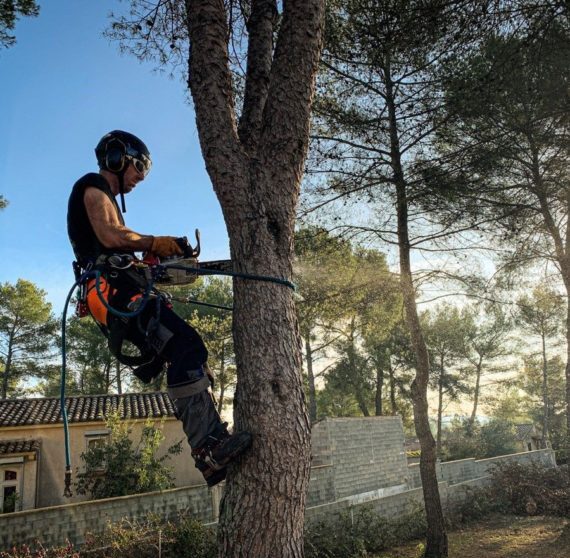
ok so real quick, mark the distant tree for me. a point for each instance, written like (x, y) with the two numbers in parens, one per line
(510, 122)
(486, 346)
(118, 467)
(10, 12)
(27, 333)
(542, 315)
(497, 437)
(466, 439)
(532, 382)
(324, 269)
(3, 202)
(509, 403)
(447, 331)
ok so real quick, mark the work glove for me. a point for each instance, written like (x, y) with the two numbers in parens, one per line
(165, 246)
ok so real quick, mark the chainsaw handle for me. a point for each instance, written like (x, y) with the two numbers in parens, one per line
(186, 247)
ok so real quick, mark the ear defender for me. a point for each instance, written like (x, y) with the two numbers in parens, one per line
(115, 155)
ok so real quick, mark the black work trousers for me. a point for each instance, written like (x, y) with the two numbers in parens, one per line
(187, 382)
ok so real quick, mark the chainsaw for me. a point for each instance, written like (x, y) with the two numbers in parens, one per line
(181, 272)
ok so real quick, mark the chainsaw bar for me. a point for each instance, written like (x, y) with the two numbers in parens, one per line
(217, 265)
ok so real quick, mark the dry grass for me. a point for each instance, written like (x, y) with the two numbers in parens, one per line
(503, 537)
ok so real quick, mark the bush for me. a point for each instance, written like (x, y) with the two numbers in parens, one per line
(184, 537)
(135, 469)
(531, 489)
(352, 535)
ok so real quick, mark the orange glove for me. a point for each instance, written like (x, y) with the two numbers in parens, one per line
(165, 246)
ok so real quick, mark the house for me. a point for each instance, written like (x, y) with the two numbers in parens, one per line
(32, 445)
(528, 437)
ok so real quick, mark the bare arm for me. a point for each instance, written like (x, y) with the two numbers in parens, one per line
(109, 230)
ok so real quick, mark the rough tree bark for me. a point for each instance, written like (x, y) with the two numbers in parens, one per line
(256, 169)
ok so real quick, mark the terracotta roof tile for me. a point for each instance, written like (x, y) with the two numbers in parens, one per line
(84, 408)
(18, 446)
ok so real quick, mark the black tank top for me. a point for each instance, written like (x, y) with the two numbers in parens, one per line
(84, 241)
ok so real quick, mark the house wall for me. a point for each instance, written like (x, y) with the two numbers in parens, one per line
(52, 462)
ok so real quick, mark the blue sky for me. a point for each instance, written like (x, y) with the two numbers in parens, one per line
(63, 87)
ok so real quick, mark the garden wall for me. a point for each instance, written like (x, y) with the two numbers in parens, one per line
(356, 462)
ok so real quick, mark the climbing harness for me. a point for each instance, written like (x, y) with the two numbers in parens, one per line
(91, 284)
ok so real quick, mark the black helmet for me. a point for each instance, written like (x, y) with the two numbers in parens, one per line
(117, 149)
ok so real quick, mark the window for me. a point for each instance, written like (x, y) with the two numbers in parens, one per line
(9, 489)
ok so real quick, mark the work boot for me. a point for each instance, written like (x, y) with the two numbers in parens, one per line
(219, 449)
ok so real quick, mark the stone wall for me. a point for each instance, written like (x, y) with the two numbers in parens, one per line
(365, 453)
(357, 462)
(55, 525)
(455, 472)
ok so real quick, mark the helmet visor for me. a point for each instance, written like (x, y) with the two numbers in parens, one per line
(140, 161)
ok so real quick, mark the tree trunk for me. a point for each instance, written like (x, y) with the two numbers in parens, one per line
(7, 370)
(256, 171)
(478, 369)
(379, 385)
(393, 404)
(436, 536)
(568, 379)
(118, 377)
(311, 379)
(439, 408)
(544, 393)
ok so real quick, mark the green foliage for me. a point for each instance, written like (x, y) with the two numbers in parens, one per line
(3, 202)
(356, 534)
(135, 469)
(10, 12)
(183, 537)
(466, 439)
(27, 334)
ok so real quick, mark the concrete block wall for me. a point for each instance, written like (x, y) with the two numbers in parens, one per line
(365, 453)
(455, 472)
(55, 525)
(365, 466)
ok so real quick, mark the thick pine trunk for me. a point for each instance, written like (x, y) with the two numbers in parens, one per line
(436, 536)
(256, 170)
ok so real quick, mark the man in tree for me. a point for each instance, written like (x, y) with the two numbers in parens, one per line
(102, 242)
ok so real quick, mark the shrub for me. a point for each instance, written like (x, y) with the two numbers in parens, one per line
(135, 469)
(184, 537)
(356, 534)
(531, 488)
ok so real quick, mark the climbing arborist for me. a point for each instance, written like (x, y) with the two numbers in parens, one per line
(101, 242)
